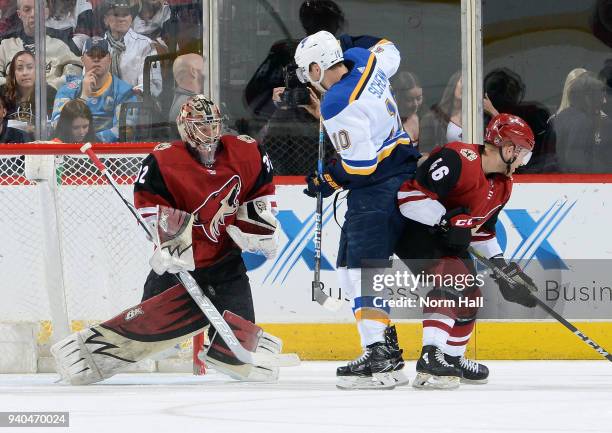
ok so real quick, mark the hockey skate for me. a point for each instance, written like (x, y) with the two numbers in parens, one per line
(434, 372)
(379, 367)
(472, 371)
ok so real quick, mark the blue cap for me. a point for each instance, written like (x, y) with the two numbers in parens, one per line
(96, 42)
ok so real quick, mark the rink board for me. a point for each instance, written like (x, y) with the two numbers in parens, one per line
(558, 216)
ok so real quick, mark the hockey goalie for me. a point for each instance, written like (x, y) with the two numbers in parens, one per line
(206, 198)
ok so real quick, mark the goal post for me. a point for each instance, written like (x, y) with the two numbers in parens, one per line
(70, 253)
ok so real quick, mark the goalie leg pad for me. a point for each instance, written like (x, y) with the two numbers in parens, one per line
(99, 352)
(252, 338)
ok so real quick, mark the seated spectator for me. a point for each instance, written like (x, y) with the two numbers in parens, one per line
(60, 61)
(128, 48)
(9, 21)
(188, 71)
(7, 133)
(75, 123)
(583, 131)
(185, 26)
(71, 20)
(102, 91)
(18, 91)
(152, 21)
(506, 90)
(409, 97)
(569, 81)
(442, 124)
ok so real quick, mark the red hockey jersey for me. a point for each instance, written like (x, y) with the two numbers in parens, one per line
(453, 177)
(171, 176)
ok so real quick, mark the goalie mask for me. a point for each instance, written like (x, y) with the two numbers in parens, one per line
(199, 124)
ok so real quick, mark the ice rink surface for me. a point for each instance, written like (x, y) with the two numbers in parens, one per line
(521, 396)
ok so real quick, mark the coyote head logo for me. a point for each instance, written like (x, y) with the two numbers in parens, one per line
(218, 205)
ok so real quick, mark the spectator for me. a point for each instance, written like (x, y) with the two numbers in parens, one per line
(315, 15)
(409, 97)
(71, 20)
(75, 123)
(60, 61)
(7, 133)
(506, 90)
(443, 123)
(188, 71)
(128, 48)
(152, 21)
(583, 130)
(102, 91)
(18, 91)
(9, 21)
(185, 26)
(569, 81)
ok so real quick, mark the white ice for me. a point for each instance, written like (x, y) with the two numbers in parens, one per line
(521, 396)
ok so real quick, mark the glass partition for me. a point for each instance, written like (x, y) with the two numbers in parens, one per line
(257, 40)
(120, 67)
(550, 63)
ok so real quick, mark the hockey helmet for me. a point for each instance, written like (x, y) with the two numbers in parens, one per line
(199, 124)
(506, 129)
(321, 48)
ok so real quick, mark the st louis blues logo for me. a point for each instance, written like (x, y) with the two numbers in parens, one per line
(217, 207)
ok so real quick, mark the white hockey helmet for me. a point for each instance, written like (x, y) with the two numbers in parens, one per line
(321, 48)
(199, 124)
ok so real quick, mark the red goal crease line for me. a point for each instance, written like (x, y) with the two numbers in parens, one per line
(53, 148)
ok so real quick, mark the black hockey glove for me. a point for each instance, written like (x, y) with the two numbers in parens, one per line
(455, 229)
(518, 291)
(325, 184)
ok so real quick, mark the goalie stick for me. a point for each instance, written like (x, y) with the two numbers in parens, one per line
(587, 340)
(194, 290)
(318, 293)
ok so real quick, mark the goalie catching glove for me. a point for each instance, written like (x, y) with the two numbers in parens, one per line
(255, 229)
(174, 252)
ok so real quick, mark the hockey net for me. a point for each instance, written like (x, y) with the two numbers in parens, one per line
(70, 252)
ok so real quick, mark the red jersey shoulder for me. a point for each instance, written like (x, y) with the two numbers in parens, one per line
(171, 152)
(242, 149)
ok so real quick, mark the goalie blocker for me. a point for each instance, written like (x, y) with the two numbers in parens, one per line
(99, 352)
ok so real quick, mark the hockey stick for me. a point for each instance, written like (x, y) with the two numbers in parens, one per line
(318, 294)
(192, 287)
(596, 347)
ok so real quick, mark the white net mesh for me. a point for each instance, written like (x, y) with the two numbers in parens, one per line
(94, 245)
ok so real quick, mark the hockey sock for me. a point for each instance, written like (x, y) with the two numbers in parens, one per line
(459, 338)
(436, 329)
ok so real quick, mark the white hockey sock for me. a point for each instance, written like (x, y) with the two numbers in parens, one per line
(371, 331)
(436, 329)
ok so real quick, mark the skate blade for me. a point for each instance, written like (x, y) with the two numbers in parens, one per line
(376, 381)
(474, 382)
(429, 381)
(400, 378)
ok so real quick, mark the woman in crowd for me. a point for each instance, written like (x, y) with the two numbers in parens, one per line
(71, 20)
(75, 124)
(8, 134)
(18, 91)
(409, 97)
(582, 130)
(569, 81)
(152, 21)
(443, 123)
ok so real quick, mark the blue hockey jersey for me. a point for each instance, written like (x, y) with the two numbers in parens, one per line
(105, 104)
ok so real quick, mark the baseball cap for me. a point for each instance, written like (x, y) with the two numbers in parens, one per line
(117, 4)
(96, 42)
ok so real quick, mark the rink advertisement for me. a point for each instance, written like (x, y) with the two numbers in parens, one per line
(552, 229)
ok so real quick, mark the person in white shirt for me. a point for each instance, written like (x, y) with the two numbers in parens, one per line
(128, 48)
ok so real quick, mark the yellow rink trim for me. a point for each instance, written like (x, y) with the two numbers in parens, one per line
(491, 340)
